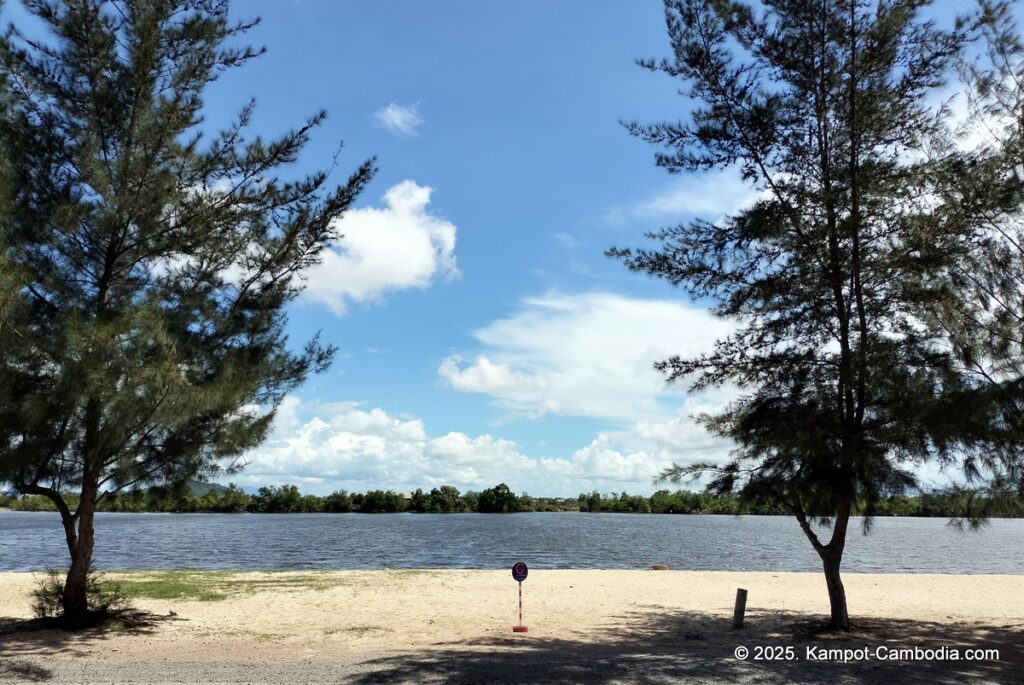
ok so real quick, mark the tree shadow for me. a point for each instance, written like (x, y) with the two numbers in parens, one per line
(22, 670)
(27, 643)
(651, 647)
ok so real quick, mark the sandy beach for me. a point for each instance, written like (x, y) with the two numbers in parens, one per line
(584, 626)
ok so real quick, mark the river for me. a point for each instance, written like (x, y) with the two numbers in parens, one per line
(33, 541)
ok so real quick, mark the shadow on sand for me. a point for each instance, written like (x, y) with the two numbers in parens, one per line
(649, 645)
(26, 644)
(694, 647)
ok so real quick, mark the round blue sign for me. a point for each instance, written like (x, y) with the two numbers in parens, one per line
(519, 571)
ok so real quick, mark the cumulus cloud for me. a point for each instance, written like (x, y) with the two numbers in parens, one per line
(708, 196)
(395, 247)
(589, 354)
(483, 375)
(344, 446)
(399, 119)
(644, 449)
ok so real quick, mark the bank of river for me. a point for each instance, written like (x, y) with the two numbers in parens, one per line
(585, 626)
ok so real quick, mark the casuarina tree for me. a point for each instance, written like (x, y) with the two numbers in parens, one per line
(982, 200)
(834, 112)
(152, 255)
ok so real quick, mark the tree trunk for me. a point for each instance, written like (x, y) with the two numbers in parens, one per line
(75, 600)
(831, 559)
(840, 616)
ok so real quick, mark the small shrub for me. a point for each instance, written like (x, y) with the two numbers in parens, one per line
(104, 599)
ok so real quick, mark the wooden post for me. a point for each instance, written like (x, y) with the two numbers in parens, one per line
(741, 607)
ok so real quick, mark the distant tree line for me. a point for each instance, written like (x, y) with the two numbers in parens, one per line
(287, 499)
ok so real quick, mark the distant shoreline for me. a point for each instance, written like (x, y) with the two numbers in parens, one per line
(488, 513)
(212, 498)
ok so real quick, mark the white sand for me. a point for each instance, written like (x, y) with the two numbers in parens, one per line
(357, 613)
(420, 609)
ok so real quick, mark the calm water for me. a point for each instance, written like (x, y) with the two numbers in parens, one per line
(30, 541)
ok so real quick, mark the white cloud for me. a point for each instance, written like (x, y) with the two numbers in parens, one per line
(708, 196)
(342, 446)
(323, 448)
(399, 246)
(566, 240)
(639, 453)
(584, 355)
(485, 376)
(402, 120)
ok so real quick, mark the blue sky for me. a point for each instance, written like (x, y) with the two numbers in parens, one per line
(483, 335)
(520, 353)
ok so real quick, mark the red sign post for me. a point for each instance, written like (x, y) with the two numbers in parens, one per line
(519, 571)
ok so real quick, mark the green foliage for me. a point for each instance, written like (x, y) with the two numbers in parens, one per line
(230, 501)
(497, 500)
(955, 503)
(338, 502)
(591, 502)
(381, 502)
(155, 293)
(472, 500)
(419, 502)
(526, 503)
(553, 504)
(284, 499)
(839, 274)
(105, 599)
(824, 273)
(146, 259)
(616, 503)
(34, 503)
(446, 499)
(982, 199)
(684, 502)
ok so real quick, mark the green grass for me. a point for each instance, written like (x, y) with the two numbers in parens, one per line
(214, 586)
(245, 634)
(358, 631)
(170, 585)
(410, 572)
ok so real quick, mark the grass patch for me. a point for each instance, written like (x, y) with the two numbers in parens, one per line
(215, 586)
(358, 631)
(266, 637)
(250, 635)
(412, 572)
(193, 586)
